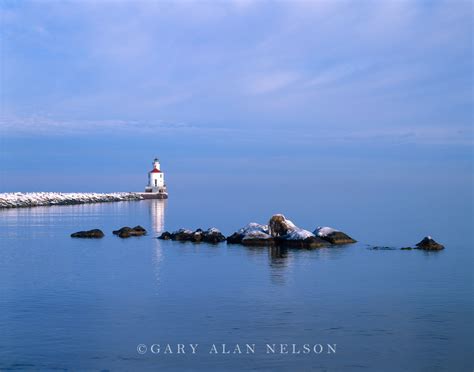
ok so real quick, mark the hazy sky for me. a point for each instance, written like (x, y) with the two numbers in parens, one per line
(233, 87)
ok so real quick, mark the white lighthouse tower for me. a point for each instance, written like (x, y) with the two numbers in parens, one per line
(156, 182)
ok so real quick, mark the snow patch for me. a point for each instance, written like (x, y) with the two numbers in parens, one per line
(255, 234)
(253, 227)
(183, 231)
(298, 234)
(324, 231)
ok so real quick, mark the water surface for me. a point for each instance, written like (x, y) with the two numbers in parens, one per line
(86, 304)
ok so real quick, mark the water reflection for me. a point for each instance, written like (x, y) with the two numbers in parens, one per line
(157, 215)
(279, 260)
(157, 222)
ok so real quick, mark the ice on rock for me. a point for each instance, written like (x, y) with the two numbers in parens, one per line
(324, 231)
(298, 234)
(253, 227)
(256, 234)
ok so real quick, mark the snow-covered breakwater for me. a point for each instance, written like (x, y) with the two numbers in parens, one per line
(34, 199)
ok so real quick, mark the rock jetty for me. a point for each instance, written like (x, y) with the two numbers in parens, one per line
(36, 199)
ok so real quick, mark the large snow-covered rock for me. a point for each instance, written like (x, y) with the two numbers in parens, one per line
(34, 199)
(333, 236)
(279, 231)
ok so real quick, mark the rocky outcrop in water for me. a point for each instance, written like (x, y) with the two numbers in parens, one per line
(127, 232)
(333, 236)
(429, 244)
(93, 234)
(280, 231)
(211, 235)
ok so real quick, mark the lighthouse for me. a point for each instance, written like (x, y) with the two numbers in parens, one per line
(156, 187)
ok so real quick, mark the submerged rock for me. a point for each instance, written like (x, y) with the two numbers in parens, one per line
(127, 232)
(95, 234)
(382, 248)
(211, 235)
(333, 236)
(429, 244)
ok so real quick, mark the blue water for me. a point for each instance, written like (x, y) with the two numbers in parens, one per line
(86, 304)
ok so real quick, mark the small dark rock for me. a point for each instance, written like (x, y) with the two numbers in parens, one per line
(165, 236)
(127, 232)
(429, 244)
(235, 238)
(95, 234)
(139, 228)
(384, 248)
(183, 235)
(211, 235)
(406, 248)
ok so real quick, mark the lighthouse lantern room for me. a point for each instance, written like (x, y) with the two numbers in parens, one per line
(156, 179)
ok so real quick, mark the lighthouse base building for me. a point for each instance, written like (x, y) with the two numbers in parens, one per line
(156, 188)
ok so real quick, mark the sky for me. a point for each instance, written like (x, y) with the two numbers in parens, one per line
(303, 96)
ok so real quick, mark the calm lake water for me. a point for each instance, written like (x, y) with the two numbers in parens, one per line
(86, 304)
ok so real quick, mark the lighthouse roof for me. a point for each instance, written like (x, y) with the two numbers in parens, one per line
(155, 171)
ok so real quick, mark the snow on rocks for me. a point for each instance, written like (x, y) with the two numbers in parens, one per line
(251, 234)
(280, 231)
(333, 236)
(34, 199)
(322, 232)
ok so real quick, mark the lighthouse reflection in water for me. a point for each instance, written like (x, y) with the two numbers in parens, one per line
(157, 214)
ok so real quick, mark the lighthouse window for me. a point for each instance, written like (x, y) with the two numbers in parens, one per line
(161, 175)
(156, 183)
